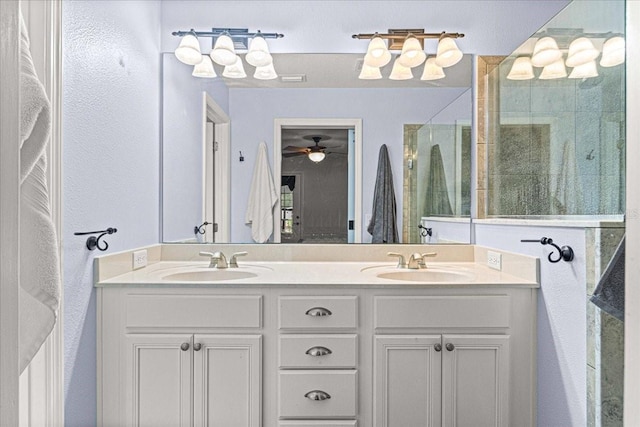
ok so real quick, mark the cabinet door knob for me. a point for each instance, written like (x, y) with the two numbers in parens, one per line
(197, 346)
(184, 346)
(450, 347)
(318, 312)
(317, 395)
(318, 351)
(437, 347)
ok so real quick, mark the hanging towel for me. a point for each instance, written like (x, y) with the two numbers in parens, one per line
(383, 225)
(262, 198)
(609, 293)
(39, 258)
(567, 195)
(437, 202)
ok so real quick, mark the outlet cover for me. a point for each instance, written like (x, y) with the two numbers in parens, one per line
(139, 259)
(494, 260)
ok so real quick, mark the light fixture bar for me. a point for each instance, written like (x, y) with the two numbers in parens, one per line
(233, 32)
(402, 36)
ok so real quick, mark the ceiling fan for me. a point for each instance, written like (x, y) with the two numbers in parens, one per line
(315, 152)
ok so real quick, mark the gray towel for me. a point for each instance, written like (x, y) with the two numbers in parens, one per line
(383, 225)
(609, 294)
(437, 202)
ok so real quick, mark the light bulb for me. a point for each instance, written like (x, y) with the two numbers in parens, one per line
(432, 71)
(204, 69)
(412, 53)
(369, 73)
(235, 71)
(584, 71)
(377, 53)
(521, 69)
(188, 52)
(581, 51)
(448, 52)
(555, 70)
(266, 72)
(223, 52)
(258, 54)
(613, 52)
(400, 72)
(316, 156)
(545, 52)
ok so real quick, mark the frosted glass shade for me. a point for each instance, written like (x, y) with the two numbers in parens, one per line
(258, 54)
(584, 71)
(316, 156)
(545, 52)
(613, 52)
(448, 53)
(412, 53)
(235, 71)
(400, 72)
(581, 51)
(223, 52)
(432, 71)
(377, 53)
(522, 69)
(188, 52)
(266, 72)
(204, 69)
(369, 73)
(555, 70)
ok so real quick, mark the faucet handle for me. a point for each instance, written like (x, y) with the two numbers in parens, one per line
(233, 262)
(430, 254)
(203, 253)
(401, 262)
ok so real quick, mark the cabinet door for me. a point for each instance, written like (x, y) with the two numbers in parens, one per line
(407, 380)
(158, 390)
(475, 380)
(227, 380)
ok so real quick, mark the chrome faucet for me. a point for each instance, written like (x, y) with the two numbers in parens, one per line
(218, 260)
(416, 260)
(401, 261)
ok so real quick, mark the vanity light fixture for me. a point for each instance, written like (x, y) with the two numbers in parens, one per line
(225, 42)
(522, 69)
(613, 52)
(411, 43)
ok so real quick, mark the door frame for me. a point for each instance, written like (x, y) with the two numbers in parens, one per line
(301, 123)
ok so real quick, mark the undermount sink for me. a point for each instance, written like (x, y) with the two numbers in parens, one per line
(427, 275)
(209, 275)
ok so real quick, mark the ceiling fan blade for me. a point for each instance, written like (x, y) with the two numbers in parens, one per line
(300, 153)
(294, 148)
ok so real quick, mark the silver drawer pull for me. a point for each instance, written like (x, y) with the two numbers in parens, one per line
(197, 346)
(318, 351)
(184, 346)
(317, 395)
(318, 312)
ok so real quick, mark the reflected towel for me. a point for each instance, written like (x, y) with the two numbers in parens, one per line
(609, 294)
(383, 226)
(39, 258)
(262, 198)
(567, 195)
(437, 202)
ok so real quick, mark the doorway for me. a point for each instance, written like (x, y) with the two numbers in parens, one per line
(323, 157)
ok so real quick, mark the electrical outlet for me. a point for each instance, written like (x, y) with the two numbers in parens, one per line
(494, 260)
(139, 259)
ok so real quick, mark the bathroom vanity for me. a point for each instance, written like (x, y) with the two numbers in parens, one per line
(310, 341)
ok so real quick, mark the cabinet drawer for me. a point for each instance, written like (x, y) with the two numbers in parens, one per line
(318, 351)
(318, 312)
(486, 311)
(339, 386)
(193, 311)
(349, 423)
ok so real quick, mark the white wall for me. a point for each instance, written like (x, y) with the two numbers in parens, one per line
(562, 335)
(383, 113)
(111, 83)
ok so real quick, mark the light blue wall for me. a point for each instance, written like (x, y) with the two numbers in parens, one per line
(111, 104)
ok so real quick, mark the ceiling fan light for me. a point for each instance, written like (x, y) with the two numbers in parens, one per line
(613, 52)
(555, 70)
(545, 52)
(412, 53)
(585, 71)
(448, 53)
(377, 53)
(432, 71)
(223, 52)
(316, 156)
(235, 71)
(581, 51)
(400, 72)
(204, 69)
(266, 72)
(188, 52)
(369, 73)
(521, 69)
(258, 54)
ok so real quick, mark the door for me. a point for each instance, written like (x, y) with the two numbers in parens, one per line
(407, 380)
(227, 380)
(209, 184)
(159, 369)
(290, 212)
(475, 380)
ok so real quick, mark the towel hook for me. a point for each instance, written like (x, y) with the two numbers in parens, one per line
(565, 253)
(93, 242)
(425, 231)
(200, 229)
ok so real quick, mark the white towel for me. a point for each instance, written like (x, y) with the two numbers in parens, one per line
(567, 194)
(39, 259)
(262, 198)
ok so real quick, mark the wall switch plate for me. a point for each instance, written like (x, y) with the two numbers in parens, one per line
(494, 260)
(139, 259)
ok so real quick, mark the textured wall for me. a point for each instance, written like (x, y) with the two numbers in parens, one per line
(111, 83)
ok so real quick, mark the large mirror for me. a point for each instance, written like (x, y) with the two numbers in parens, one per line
(212, 127)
